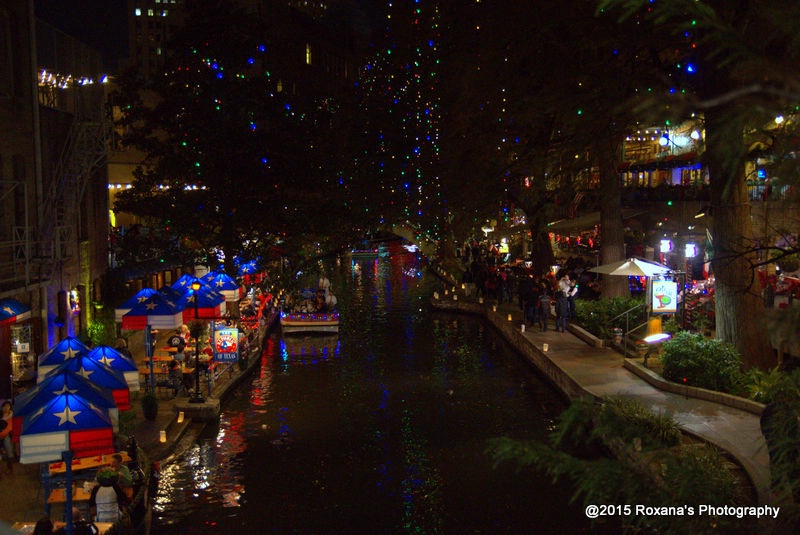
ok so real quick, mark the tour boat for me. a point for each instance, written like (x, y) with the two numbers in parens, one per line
(309, 322)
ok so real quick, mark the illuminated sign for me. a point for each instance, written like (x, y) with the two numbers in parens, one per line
(665, 297)
(226, 345)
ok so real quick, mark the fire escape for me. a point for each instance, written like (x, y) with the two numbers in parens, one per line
(83, 153)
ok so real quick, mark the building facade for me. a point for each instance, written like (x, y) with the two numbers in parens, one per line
(53, 189)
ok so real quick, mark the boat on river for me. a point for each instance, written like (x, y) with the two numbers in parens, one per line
(313, 312)
(309, 322)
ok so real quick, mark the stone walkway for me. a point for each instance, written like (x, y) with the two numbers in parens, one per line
(578, 369)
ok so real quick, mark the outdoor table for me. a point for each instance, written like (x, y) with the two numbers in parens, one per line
(80, 493)
(84, 463)
(186, 370)
(160, 358)
(161, 375)
(28, 527)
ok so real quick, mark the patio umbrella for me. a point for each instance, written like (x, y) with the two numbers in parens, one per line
(140, 297)
(66, 349)
(225, 285)
(101, 375)
(12, 311)
(66, 422)
(56, 384)
(183, 283)
(208, 277)
(250, 271)
(210, 304)
(171, 293)
(158, 312)
(631, 267)
(117, 361)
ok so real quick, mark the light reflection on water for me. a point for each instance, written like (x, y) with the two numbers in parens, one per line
(382, 430)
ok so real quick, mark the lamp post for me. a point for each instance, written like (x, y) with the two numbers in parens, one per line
(197, 396)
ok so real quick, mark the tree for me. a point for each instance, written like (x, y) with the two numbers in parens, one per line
(742, 63)
(231, 159)
(537, 115)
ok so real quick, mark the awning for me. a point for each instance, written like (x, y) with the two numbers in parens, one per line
(12, 311)
(586, 222)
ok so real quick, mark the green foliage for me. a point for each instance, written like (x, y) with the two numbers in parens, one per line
(671, 325)
(692, 359)
(761, 385)
(197, 328)
(596, 316)
(127, 423)
(634, 420)
(586, 422)
(101, 331)
(656, 469)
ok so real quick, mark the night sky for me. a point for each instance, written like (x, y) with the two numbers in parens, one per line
(100, 24)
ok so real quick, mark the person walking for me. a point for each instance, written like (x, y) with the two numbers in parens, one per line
(544, 309)
(562, 312)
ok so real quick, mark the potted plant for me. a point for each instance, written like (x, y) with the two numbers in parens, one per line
(106, 477)
(150, 406)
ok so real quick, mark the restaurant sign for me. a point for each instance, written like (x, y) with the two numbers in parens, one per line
(226, 345)
(665, 297)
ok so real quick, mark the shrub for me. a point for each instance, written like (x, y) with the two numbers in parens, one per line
(596, 316)
(671, 325)
(759, 384)
(693, 359)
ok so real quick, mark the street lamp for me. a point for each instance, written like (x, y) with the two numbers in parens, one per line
(197, 396)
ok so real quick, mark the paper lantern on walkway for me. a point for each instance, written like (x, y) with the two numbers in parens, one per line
(102, 376)
(66, 349)
(117, 361)
(67, 422)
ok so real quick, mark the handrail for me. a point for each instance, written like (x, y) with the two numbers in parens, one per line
(627, 315)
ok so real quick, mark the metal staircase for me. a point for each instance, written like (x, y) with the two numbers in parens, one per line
(84, 150)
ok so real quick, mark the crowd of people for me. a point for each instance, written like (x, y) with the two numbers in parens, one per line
(539, 296)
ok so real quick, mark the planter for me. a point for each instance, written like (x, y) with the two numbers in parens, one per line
(616, 335)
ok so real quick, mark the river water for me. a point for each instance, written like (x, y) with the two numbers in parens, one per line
(381, 429)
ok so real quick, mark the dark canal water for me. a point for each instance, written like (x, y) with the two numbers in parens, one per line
(382, 429)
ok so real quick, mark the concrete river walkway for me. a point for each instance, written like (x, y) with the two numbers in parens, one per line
(577, 366)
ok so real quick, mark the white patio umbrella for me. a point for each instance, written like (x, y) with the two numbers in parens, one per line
(631, 266)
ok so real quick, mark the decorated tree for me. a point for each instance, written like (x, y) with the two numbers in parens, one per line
(231, 158)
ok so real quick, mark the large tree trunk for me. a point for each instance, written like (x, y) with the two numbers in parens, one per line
(738, 303)
(612, 232)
